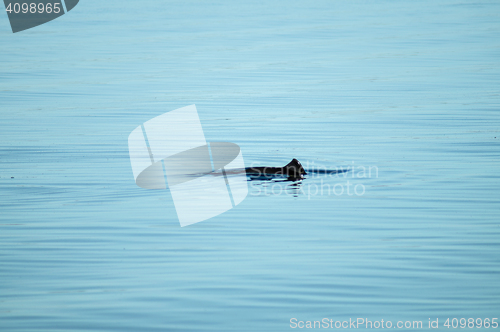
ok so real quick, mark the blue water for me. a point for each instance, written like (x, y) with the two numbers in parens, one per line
(408, 88)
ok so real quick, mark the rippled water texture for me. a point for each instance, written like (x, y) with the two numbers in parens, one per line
(406, 89)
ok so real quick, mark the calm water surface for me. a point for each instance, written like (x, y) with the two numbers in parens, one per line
(410, 89)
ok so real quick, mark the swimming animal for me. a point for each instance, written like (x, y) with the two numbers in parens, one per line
(293, 170)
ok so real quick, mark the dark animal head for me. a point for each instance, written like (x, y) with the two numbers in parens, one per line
(295, 169)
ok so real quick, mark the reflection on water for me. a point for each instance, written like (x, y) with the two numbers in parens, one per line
(266, 185)
(279, 184)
